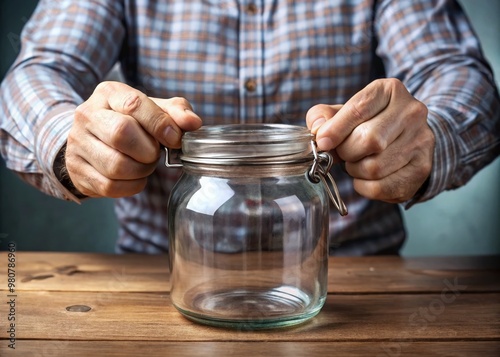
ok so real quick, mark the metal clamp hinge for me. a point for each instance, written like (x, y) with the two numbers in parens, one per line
(320, 171)
(167, 160)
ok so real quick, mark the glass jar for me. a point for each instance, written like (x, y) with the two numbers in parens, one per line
(248, 223)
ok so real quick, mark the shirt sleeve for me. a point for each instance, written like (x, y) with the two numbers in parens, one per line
(431, 46)
(67, 47)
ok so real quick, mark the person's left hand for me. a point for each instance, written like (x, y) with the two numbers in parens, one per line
(382, 135)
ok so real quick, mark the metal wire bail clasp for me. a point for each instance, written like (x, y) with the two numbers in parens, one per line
(167, 160)
(320, 170)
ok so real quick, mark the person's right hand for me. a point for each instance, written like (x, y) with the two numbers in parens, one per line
(114, 143)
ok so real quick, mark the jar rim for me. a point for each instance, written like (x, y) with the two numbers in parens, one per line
(247, 141)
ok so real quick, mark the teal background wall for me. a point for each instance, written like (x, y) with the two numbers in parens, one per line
(462, 222)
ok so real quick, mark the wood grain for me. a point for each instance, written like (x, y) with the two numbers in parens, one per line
(393, 274)
(140, 273)
(377, 306)
(344, 318)
(58, 348)
(49, 271)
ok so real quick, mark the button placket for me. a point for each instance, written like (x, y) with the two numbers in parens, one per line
(251, 62)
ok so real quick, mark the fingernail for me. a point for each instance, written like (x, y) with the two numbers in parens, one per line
(317, 123)
(171, 136)
(325, 144)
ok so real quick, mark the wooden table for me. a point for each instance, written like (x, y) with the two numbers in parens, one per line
(376, 306)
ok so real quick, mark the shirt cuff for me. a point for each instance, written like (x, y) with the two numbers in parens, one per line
(445, 159)
(51, 136)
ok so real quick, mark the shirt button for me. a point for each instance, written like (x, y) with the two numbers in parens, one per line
(251, 85)
(252, 9)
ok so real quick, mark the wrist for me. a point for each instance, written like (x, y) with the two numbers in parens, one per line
(62, 174)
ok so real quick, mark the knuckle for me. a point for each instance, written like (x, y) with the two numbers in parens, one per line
(95, 183)
(372, 168)
(369, 189)
(107, 187)
(117, 166)
(72, 168)
(74, 138)
(393, 83)
(154, 155)
(377, 144)
(83, 111)
(429, 158)
(377, 192)
(120, 130)
(372, 143)
(425, 171)
(105, 87)
(360, 109)
(392, 86)
(113, 189)
(418, 109)
(423, 167)
(423, 154)
(132, 101)
(180, 101)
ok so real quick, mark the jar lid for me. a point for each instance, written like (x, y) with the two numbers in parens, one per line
(259, 144)
(251, 142)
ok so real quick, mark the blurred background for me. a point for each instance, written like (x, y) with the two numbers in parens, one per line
(461, 222)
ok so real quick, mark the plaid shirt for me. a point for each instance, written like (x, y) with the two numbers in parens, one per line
(246, 62)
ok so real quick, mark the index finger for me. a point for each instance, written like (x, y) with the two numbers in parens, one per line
(362, 107)
(181, 111)
(129, 101)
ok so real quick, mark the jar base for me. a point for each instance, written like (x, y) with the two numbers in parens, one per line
(252, 308)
